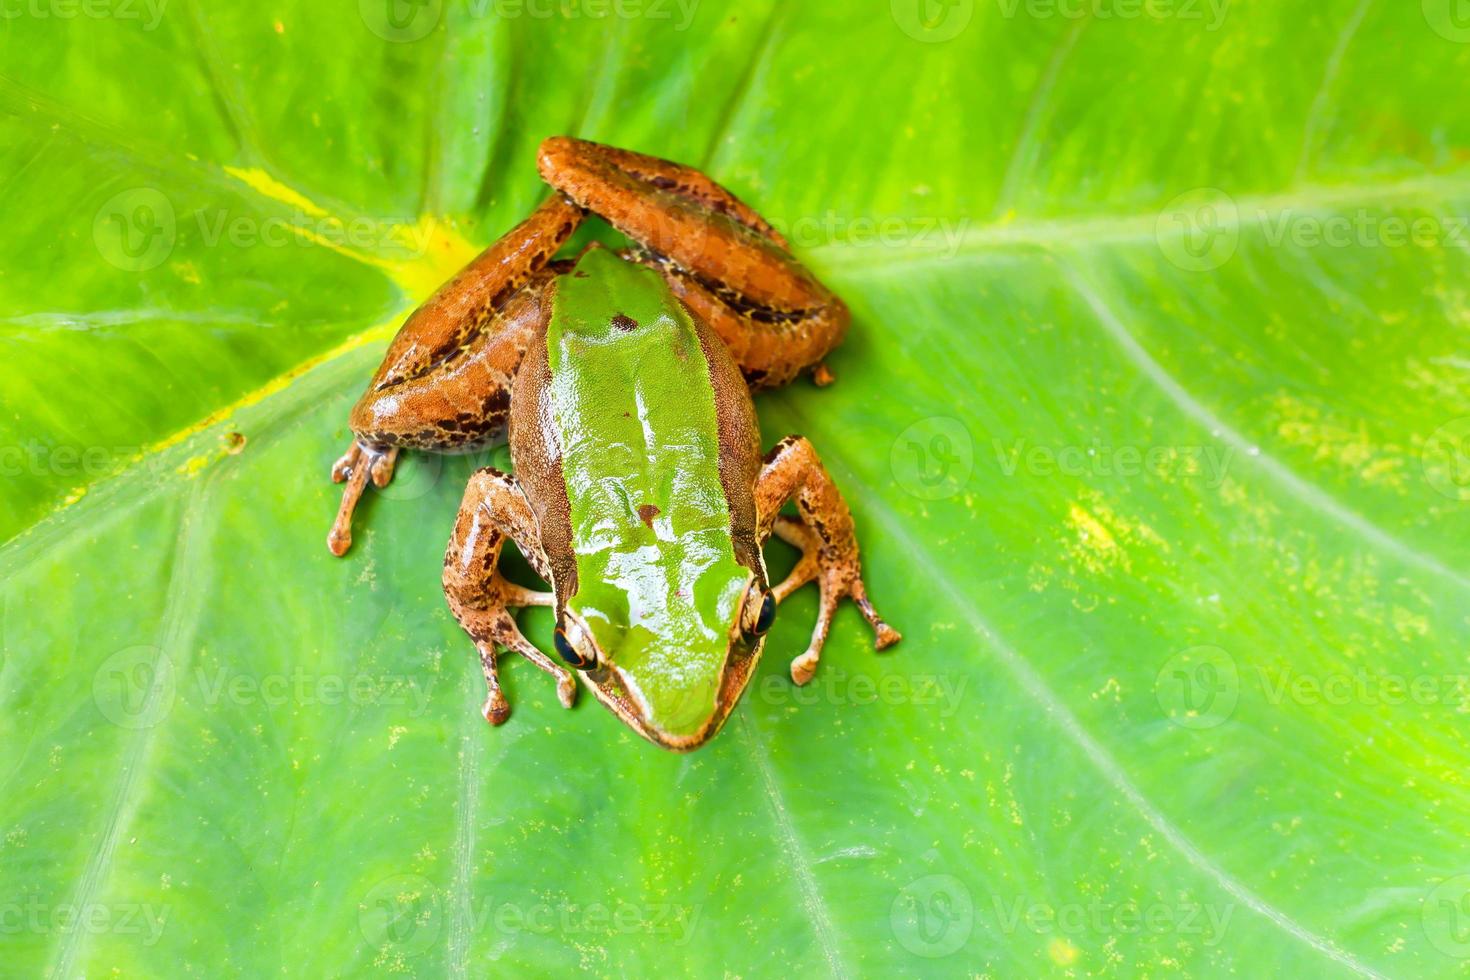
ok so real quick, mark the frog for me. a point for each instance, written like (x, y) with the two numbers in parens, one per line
(622, 380)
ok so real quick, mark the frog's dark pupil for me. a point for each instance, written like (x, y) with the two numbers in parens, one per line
(767, 615)
(567, 651)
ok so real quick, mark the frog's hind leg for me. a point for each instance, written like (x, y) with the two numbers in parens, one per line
(494, 508)
(824, 533)
(724, 261)
(444, 385)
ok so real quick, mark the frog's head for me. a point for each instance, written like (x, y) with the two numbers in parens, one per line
(669, 637)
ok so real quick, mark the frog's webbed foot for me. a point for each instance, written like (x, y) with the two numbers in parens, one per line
(824, 533)
(360, 463)
(494, 508)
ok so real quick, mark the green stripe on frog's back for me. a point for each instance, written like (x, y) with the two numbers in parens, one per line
(658, 582)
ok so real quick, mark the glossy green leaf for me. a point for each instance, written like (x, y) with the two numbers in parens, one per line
(1153, 417)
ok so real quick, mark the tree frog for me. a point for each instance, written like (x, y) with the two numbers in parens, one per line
(623, 381)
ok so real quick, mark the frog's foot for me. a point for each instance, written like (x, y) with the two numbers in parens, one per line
(824, 533)
(493, 509)
(361, 462)
(838, 576)
(495, 628)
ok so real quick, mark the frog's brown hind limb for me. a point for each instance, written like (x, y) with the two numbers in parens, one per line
(722, 259)
(444, 384)
(493, 509)
(824, 532)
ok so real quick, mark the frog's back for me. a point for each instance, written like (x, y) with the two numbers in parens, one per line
(643, 445)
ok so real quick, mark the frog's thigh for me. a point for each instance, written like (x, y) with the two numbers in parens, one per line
(441, 384)
(826, 537)
(461, 401)
(719, 256)
(493, 509)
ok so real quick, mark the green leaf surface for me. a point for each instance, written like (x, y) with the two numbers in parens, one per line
(1153, 418)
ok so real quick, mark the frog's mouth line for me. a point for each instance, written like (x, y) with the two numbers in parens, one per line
(608, 687)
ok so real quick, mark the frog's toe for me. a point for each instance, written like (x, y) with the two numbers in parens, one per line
(566, 690)
(884, 636)
(382, 467)
(497, 708)
(804, 666)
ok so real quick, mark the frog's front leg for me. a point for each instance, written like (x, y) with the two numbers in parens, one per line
(493, 509)
(444, 385)
(825, 535)
(724, 261)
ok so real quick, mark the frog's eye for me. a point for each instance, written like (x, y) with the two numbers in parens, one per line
(574, 651)
(760, 611)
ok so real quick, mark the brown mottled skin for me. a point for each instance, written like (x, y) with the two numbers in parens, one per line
(471, 363)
